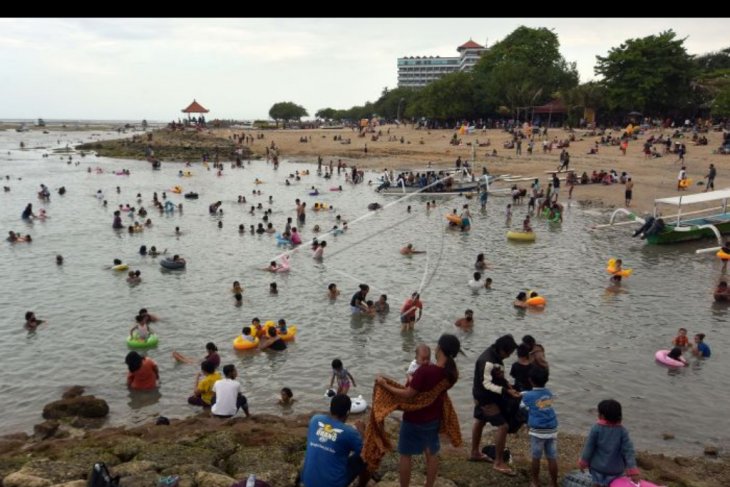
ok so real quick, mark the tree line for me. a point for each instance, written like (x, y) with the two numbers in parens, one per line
(652, 75)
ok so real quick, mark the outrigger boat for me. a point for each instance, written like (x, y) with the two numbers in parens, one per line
(679, 228)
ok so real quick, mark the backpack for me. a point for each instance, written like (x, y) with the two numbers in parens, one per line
(100, 477)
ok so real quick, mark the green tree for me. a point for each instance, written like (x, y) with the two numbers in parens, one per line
(326, 113)
(449, 98)
(713, 61)
(651, 74)
(287, 110)
(721, 103)
(523, 69)
(392, 103)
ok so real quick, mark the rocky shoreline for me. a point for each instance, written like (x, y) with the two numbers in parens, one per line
(178, 146)
(209, 452)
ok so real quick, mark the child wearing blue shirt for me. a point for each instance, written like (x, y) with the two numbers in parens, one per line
(543, 424)
(701, 349)
(609, 453)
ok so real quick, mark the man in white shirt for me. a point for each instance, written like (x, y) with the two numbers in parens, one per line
(681, 177)
(227, 395)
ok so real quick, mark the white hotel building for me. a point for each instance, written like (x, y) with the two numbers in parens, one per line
(418, 71)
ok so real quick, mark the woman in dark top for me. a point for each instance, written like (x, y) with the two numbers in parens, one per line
(358, 303)
(273, 341)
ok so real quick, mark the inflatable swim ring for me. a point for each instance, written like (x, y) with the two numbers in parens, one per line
(611, 269)
(314, 193)
(168, 263)
(536, 301)
(335, 189)
(191, 196)
(120, 267)
(722, 255)
(684, 183)
(284, 267)
(240, 344)
(176, 189)
(320, 206)
(662, 356)
(359, 405)
(135, 342)
(521, 236)
(456, 219)
(258, 181)
(187, 174)
(627, 482)
(291, 332)
(281, 240)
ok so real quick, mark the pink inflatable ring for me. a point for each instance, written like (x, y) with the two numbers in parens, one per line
(662, 356)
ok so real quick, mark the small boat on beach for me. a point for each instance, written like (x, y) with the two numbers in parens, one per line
(679, 228)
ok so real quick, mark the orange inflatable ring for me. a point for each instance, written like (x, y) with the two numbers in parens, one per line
(456, 219)
(722, 255)
(536, 301)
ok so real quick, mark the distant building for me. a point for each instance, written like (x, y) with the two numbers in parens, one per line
(418, 71)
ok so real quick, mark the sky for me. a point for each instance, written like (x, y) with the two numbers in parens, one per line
(134, 69)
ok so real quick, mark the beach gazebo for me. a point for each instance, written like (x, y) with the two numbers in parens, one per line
(194, 107)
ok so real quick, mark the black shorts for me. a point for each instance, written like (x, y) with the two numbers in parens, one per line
(628, 194)
(495, 419)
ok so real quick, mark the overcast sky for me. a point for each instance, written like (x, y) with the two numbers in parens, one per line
(139, 68)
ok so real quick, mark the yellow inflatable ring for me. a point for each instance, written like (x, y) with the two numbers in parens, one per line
(521, 236)
(536, 301)
(176, 189)
(291, 331)
(622, 272)
(240, 344)
(120, 267)
(684, 183)
(722, 255)
(454, 218)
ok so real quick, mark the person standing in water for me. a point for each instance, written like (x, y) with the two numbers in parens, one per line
(410, 308)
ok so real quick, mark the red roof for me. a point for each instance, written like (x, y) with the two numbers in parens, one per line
(195, 107)
(470, 45)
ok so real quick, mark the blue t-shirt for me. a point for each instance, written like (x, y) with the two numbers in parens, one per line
(329, 444)
(704, 349)
(542, 418)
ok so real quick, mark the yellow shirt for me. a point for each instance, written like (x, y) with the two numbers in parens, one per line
(205, 386)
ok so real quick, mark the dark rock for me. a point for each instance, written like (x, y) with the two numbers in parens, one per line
(84, 406)
(46, 429)
(711, 451)
(667, 436)
(73, 391)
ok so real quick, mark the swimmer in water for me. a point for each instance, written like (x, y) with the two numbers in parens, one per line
(332, 291)
(521, 300)
(409, 250)
(273, 289)
(236, 287)
(467, 322)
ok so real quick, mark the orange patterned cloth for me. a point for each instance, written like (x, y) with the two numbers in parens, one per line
(376, 442)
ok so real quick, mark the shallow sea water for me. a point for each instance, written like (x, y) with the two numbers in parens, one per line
(600, 344)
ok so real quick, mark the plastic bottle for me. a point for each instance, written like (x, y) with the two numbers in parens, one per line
(251, 482)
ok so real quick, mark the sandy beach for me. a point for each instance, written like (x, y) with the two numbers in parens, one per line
(653, 177)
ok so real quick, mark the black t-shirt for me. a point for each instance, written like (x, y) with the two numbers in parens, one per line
(521, 374)
(278, 345)
(358, 297)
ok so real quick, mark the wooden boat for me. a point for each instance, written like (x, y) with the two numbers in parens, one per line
(679, 228)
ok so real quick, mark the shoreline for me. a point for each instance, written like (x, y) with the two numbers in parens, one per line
(653, 177)
(211, 452)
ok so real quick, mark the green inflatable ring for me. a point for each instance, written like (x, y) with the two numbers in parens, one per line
(135, 342)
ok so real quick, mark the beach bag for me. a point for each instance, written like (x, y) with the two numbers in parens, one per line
(100, 477)
(491, 452)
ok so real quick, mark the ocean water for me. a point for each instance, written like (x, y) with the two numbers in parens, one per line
(600, 343)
